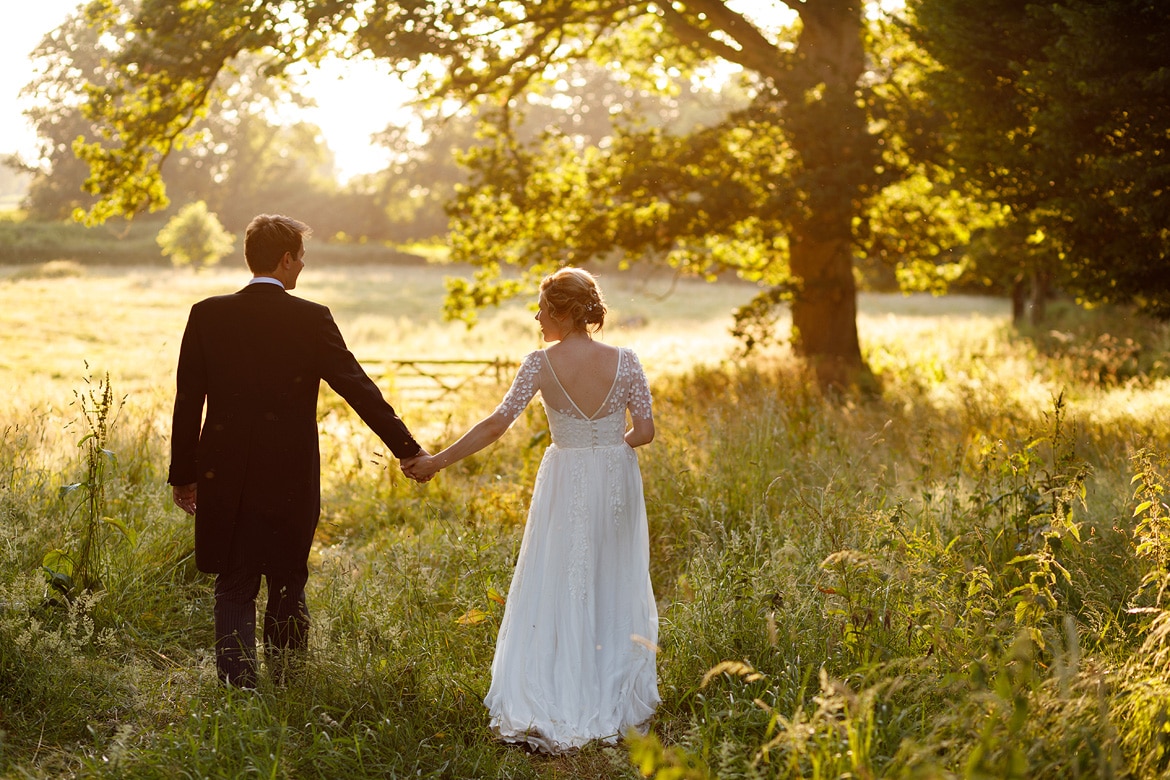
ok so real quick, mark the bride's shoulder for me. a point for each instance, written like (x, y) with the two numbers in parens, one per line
(629, 353)
(533, 361)
(630, 362)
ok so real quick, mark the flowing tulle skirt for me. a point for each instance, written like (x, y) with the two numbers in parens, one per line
(575, 656)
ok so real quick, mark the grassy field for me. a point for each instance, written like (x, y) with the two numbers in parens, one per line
(962, 578)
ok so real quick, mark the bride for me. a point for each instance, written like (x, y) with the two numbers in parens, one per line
(574, 658)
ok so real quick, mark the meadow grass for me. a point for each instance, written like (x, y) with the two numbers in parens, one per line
(963, 577)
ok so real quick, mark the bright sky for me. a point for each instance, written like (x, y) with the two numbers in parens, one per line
(17, 39)
(351, 104)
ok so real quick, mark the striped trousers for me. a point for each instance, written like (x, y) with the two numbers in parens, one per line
(286, 624)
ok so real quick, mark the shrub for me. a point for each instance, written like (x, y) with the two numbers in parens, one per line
(195, 237)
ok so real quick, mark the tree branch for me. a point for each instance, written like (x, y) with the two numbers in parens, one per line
(755, 52)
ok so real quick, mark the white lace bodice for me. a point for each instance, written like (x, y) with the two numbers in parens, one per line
(569, 426)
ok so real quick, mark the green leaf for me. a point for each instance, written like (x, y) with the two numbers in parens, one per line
(125, 529)
(65, 490)
(1143, 506)
(58, 562)
(1021, 559)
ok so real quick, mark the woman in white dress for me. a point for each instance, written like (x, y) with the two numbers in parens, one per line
(575, 655)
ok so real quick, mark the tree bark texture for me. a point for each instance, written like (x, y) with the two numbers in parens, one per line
(829, 130)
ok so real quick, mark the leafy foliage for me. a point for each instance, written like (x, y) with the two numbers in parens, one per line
(236, 156)
(1057, 112)
(86, 567)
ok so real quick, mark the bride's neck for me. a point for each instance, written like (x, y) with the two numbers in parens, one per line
(576, 335)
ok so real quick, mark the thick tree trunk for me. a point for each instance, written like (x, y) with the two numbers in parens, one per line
(1030, 297)
(829, 130)
(824, 310)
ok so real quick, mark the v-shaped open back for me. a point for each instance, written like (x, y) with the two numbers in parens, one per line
(628, 390)
(601, 407)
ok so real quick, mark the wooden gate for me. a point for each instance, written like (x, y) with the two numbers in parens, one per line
(430, 381)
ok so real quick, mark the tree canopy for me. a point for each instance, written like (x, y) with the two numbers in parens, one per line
(1060, 111)
(833, 156)
(775, 191)
(235, 158)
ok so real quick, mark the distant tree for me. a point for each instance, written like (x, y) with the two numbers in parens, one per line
(587, 104)
(1059, 112)
(66, 58)
(237, 158)
(194, 237)
(412, 193)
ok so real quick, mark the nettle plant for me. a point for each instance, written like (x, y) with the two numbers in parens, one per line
(81, 566)
(1028, 506)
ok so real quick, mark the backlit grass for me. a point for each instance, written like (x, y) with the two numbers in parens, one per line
(961, 578)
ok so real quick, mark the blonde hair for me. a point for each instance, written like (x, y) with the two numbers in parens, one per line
(573, 293)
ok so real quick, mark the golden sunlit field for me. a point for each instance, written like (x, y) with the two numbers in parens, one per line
(963, 577)
(129, 321)
(56, 318)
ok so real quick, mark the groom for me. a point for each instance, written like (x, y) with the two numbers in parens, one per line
(250, 471)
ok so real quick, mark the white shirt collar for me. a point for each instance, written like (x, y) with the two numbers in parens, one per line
(266, 280)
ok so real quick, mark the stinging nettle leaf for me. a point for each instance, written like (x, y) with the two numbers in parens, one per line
(123, 527)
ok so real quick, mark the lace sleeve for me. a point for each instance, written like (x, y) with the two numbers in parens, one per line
(524, 386)
(640, 402)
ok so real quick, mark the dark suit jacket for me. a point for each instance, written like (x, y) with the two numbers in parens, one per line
(257, 357)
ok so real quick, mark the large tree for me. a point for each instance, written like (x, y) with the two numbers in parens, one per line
(1059, 111)
(779, 191)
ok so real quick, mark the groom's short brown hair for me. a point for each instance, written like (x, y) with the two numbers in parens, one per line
(268, 237)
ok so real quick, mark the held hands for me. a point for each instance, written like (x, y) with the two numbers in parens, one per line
(420, 467)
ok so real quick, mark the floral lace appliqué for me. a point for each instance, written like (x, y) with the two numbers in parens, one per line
(579, 552)
(617, 491)
(633, 380)
(523, 387)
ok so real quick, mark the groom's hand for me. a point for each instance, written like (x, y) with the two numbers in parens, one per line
(184, 497)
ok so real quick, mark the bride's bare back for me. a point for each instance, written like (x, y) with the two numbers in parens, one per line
(586, 371)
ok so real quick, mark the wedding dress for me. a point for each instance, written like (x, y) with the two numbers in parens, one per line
(575, 655)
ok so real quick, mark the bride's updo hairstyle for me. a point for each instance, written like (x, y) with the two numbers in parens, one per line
(573, 293)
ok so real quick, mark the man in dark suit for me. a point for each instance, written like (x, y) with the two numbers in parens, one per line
(250, 471)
